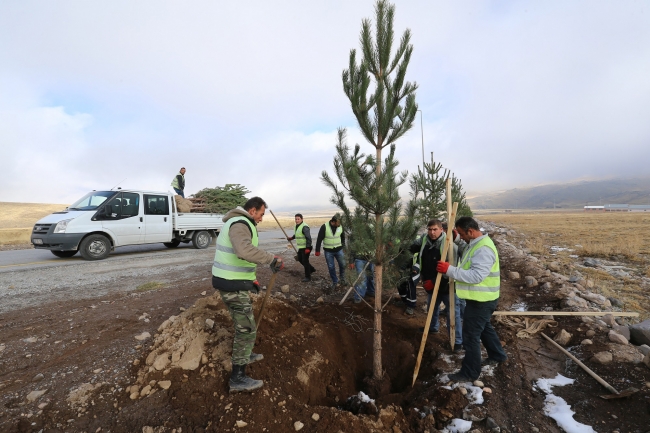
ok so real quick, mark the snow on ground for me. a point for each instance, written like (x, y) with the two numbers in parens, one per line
(519, 306)
(558, 409)
(458, 425)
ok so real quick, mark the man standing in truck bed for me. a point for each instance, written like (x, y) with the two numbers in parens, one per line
(178, 183)
(233, 274)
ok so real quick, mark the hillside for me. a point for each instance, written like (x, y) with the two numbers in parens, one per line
(568, 195)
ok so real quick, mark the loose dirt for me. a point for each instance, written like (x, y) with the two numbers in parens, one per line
(317, 359)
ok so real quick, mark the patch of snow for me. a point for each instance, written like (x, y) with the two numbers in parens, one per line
(574, 256)
(558, 249)
(443, 378)
(520, 306)
(458, 425)
(364, 398)
(558, 409)
(474, 393)
(447, 358)
(488, 370)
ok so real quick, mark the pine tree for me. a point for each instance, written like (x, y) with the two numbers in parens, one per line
(384, 113)
(222, 199)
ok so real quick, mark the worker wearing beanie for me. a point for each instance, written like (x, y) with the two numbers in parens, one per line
(333, 239)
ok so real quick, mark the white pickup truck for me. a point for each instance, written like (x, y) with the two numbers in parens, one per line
(102, 220)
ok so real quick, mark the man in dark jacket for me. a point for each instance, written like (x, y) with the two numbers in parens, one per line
(302, 235)
(333, 239)
(178, 183)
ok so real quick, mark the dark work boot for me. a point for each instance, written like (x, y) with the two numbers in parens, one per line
(256, 357)
(239, 382)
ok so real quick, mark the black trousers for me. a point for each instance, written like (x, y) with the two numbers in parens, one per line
(477, 329)
(304, 261)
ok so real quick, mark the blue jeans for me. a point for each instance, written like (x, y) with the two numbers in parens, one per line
(179, 192)
(435, 324)
(340, 258)
(367, 284)
(476, 330)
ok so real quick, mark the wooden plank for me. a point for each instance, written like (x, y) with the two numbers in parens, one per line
(451, 220)
(564, 313)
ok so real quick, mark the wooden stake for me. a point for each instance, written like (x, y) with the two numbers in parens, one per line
(355, 282)
(266, 297)
(563, 313)
(451, 216)
(434, 295)
(285, 233)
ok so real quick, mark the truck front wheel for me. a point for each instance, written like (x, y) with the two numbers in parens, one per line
(64, 254)
(95, 247)
(173, 244)
(201, 239)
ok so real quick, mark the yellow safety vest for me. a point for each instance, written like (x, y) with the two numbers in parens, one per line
(226, 264)
(332, 240)
(488, 289)
(301, 240)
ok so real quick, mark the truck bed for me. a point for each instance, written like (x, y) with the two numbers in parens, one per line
(197, 221)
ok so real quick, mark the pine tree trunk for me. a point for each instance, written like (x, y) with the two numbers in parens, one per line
(377, 370)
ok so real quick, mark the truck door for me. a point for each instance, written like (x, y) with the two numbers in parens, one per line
(123, 220)
(157, 218)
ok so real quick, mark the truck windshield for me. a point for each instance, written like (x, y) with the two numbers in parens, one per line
(92, 200)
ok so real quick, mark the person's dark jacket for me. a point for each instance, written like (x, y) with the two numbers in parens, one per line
(430, 258)
(321, 237)
(181, 182)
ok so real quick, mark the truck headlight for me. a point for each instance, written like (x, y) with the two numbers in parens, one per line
(61, 226)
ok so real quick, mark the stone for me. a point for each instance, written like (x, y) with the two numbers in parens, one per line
(241, 424)
(315, 416)
(644, 348)
(147, 429)
(478, 383)
(617, 338)
(591, 263)
(626, 353)
(165, 384)
(475, 414)
(298, 425)
(285, 288)
(623, 330)
(145, 391)
(640, 333)
(203, 293)
(191, 358)
(161, 362)
(546, 286)
(490, 423)
(35, 395)
(616, 302)
(143, 336)
(513, 275)
(590, 284)
(586, 342)
(293, 298)
(320, 300)
(531, 281)
(602, 358)
(609, 319)
(575, 302)
(136, 362)
(562, 338)
(487, 390)
(134, 395)
(463, 390)
(209, 323)
(38, 377)
(646, 361)
(30, 340)
(596, 299)
(43, 405)
(176, 356)
(554, 267)
(590, 333)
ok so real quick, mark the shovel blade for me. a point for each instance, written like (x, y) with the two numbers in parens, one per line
(628, 392)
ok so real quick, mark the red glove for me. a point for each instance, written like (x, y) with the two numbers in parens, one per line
(428, 285)
(317, 253)
(351, 266)
(442, 267)
(307, 250)
(256, 286)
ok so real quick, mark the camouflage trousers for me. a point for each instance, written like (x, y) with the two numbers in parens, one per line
(241, 310)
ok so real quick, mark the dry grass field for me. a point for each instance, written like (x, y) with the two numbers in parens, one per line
(17, 220)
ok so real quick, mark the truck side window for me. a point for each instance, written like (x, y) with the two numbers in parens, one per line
(156, 205)
(130, 204)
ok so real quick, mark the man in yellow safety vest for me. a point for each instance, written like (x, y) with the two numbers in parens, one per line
(302, 235)
(478, 282)
(234, 275)
(333, 239)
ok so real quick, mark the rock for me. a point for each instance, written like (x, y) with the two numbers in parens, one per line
(640, 333)
(143, 336)
(617, 338)
(531, 281)
(616, 302)
(554, 267)
(293, 298)
(478, 383)
(42, 405)
(562, 338)
(298, 425)
(490, 423)
(145, 391)
(191, 358)
(590, 284)
(644, 348)
(320, 300)
(165, 384)
(463, 390)
(147, 429)
(209, 323)
(574, 302)
(591, 263)
(586, 342)
(596, 298)
(546, 286)
(176, 356)
(285, 288)
(487, 390)
(241, 424)
(136, 362)
(602, 358)
(38, 377)
(30, 340)
(609, 319)
(315, 417)
(475, 414)
(513, 275)
(646, 361)
(203, 293)
(35, 395)
(161, 362)
(134, 395)
(626, 353)
(623, 330)
(590, 333)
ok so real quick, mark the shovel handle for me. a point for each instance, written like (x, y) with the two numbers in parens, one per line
(285, 233)
(266, 297)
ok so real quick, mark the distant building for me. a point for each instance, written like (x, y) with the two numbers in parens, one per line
(594, 208)
(619, 208)
(639, 208)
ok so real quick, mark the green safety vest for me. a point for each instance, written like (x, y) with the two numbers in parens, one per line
(175, 181)
(301, 240)
(486, 290)
(226, 263)
(332, 240)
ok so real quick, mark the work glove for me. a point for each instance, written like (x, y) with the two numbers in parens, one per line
(442, 267)
(428, 285)
(415, 269)
(307, 250)
(317, 253)
(351, 266)
(277, 264)
(256, 287)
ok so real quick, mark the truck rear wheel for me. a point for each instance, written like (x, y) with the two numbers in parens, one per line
(173, 244)
(201, 239)
(64, 254)
(95, 247)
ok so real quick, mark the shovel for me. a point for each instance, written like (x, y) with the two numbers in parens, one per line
(614, 394)
(266, 297)
(285, 234)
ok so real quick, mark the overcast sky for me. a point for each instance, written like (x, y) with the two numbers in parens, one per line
(512, 94)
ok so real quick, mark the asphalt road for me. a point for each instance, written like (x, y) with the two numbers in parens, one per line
(271, 240)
